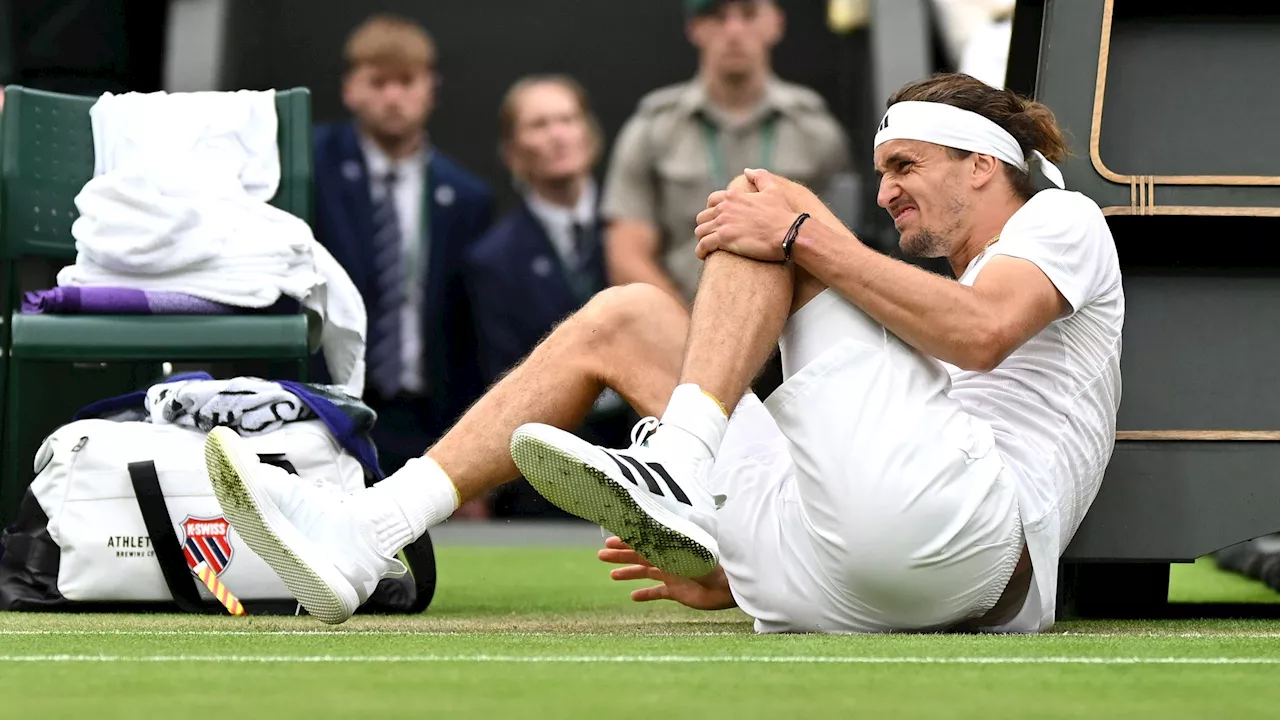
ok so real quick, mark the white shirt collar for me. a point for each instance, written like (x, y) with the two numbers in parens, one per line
(558, 220)
(551, 214)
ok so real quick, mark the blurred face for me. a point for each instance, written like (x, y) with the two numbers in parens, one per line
(923, 189)
(736, 39)
(552, 141)
(389, 102)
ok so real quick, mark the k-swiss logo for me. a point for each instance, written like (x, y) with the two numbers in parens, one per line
(207, 540)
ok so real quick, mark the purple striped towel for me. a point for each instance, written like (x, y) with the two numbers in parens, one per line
(119, 301)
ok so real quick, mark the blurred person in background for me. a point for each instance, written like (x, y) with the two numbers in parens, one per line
(399, 214)
(542, 261)
(689, 140)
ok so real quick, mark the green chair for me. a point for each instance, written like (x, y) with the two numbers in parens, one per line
(56, 364)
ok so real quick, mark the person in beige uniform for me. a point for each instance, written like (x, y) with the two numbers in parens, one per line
(688, 140)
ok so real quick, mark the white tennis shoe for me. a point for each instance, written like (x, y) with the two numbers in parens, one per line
(650, 495)
(315, 538)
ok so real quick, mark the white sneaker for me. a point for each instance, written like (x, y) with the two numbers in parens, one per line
(651, 495)
(315, 538)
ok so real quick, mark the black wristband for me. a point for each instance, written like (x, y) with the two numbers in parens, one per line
(791, 236)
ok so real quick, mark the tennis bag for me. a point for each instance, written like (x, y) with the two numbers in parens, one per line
(120, 513)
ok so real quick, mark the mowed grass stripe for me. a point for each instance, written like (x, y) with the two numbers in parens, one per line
(642, 659)
(201, 644)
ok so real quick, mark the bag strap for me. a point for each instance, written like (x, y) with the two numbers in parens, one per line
(155, 514)
(422, 564)
(278, 459)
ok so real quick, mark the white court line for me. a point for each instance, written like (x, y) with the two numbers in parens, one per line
(232, 633)
(543, 633)
(358, 633)
(1208, 635)
(640, 659)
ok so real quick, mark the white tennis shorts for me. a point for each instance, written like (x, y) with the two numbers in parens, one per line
(861, 497)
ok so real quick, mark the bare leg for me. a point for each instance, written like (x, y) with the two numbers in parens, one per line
(740, 310)
(738, 315)
(629, 338)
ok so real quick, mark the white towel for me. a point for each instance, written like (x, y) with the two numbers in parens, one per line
(248, 405)
(179, 202)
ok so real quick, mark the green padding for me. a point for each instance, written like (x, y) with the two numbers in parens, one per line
(112, 337)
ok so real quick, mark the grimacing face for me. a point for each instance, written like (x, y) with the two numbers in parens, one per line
(736, 39)
(552, 140)
(921, 185)
(390, 102)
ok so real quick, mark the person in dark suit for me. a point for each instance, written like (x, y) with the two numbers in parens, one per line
(399, 215)
(543, 260)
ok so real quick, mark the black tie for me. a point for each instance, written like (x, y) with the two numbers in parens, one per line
(582, 237)
(384, 342)
(584, 281)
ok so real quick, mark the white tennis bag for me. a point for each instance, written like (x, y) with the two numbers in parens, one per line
(86, 482)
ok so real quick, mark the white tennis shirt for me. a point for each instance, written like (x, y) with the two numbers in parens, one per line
(1052, 403)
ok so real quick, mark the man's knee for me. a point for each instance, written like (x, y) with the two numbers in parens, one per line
(616, 312)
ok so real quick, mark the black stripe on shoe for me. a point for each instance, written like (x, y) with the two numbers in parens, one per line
(676, 492)
(645, 473)
(549, 458)
(626, 471)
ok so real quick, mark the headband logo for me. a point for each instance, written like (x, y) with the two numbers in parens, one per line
(884, 123)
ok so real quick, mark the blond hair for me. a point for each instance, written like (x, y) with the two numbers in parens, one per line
(390, 40)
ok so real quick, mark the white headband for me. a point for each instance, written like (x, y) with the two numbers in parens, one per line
(950, 126)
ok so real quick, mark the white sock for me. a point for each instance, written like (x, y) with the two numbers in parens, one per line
(403, 506)
(699, 415)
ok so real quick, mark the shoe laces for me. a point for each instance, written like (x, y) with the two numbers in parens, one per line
(643, 429)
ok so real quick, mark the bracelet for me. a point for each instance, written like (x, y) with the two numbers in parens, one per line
(791, 236)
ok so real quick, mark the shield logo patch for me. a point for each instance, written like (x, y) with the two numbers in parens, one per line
(207, 540)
